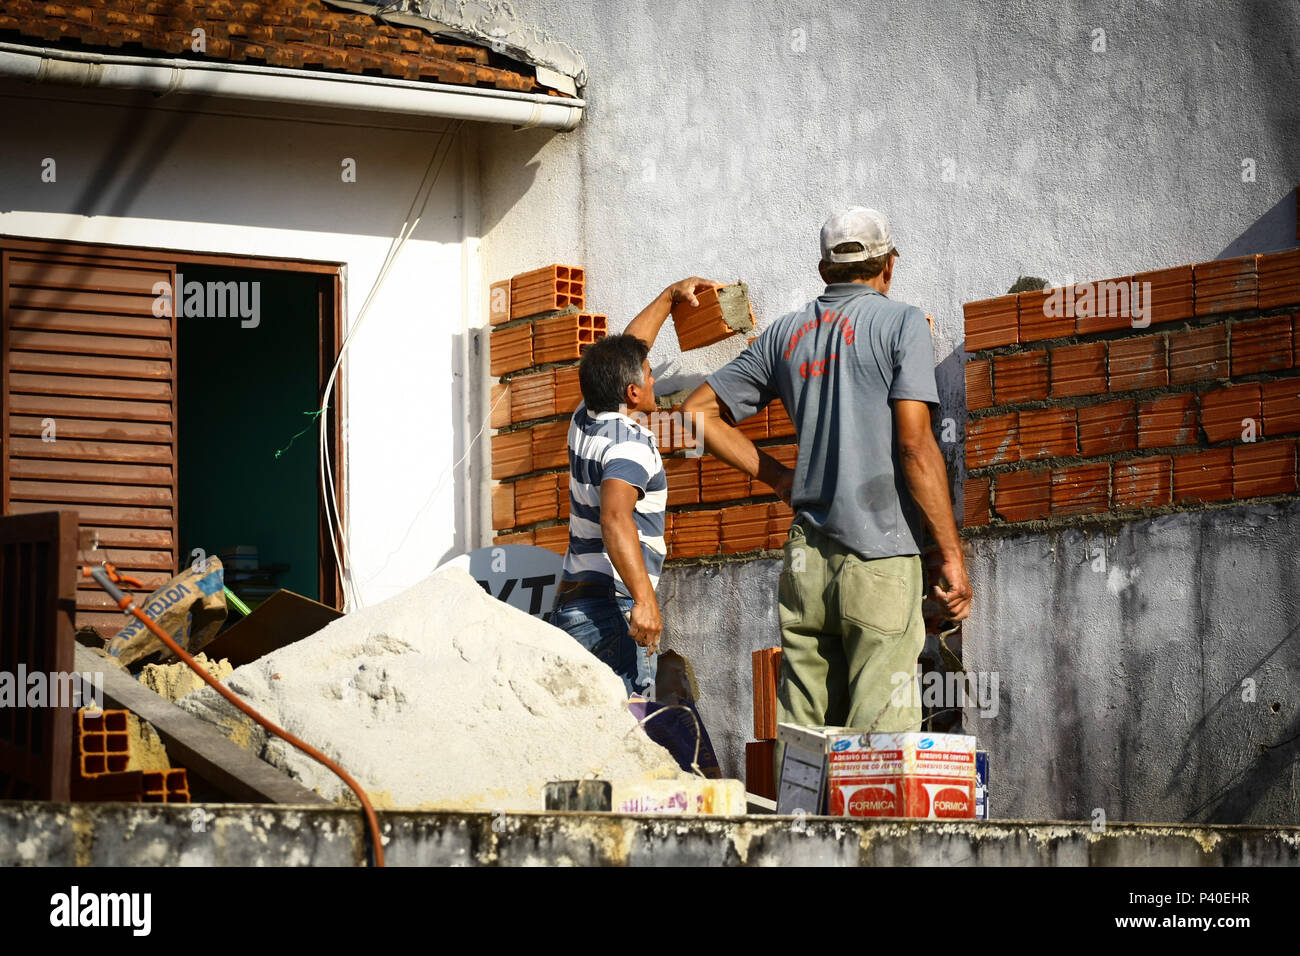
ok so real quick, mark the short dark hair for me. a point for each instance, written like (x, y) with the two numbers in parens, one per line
(834, 272)
(607, 368)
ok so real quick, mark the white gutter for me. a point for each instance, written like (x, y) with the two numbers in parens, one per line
(278, 85)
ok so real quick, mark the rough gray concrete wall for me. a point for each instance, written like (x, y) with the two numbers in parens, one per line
(1001, 140)
(1121, 662)
(716, 617)
(46, 834)
(1126, 664)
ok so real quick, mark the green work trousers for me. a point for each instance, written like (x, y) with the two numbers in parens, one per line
(851, 633)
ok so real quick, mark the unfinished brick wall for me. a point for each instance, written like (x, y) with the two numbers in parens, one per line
(539, 333)
(1091, 415)
(713, 510)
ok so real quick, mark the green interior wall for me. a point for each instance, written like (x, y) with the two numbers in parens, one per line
(242, 396)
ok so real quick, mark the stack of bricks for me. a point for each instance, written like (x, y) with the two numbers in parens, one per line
(165, 786)
(101, 754)
(1093, 412)
(760, 753)
(539, 333)
(713, 510)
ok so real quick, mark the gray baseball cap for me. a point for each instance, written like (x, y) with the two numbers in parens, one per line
(857, 224)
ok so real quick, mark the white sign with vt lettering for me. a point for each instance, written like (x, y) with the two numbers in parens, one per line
(521, 575)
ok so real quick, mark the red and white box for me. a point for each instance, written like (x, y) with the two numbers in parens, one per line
(930, 776)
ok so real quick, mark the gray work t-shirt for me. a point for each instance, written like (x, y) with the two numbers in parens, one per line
(836, 364)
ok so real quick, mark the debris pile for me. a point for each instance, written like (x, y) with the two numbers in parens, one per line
(440, 697)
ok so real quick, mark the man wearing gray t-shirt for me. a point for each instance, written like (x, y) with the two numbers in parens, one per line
(855, 371)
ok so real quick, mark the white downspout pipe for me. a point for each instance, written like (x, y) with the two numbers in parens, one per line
(299, 87)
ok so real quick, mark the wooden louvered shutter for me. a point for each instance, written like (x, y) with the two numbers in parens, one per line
(83, 350)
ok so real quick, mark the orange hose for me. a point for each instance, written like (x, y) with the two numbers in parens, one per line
(127, 605)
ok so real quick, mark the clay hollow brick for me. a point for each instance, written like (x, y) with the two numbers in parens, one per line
(512, 454)
(1198, 355)
(722, 312)
(990, 323)
(1141, 483)
(744, 528)
(1047, 433)
(992, 441)
(696, 534)
(546, 290)
(550, 445)
(565, 337)
(511, 349)
(1224, 410)
(975, 502)
(1171, 294)
(1280, 406)
(499, 302)
(1079, 370)
(979, 384)
(1262, 345)
(1226, 285)
(721, 482)
(683, 481)
(1137, 363)
(1279, 279)
(780, 517)
(779, 424)
(555, 538)
(1108, 427)
(532, 396)
(1203, 476)
(1263, 468)
(1020, 378)
(1080, 489)
(1022, 495)
(1167, 421)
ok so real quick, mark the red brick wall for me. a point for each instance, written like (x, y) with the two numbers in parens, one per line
(713, 510)
(1089, 415)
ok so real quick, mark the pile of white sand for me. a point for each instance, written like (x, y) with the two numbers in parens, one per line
(440, 697)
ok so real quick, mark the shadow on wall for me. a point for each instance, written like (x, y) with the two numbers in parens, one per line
(506, 191)
(1274, 231)
(1270, 764)
(127, 155)
(951, 378)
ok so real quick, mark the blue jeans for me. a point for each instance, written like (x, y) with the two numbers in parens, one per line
(599, 624)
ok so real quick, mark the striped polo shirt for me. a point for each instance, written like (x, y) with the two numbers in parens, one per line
(612, 445)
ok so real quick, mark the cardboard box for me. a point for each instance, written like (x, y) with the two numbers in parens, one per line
(844, 772)
(929, 776)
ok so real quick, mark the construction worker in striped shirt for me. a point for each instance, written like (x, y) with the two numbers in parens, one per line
(618, 492)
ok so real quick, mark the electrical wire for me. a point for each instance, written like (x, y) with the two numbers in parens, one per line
(333, 517)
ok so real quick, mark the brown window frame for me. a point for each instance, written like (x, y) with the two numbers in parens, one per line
(329, 334)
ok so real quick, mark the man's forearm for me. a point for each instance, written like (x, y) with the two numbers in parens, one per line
(624, 549)
(729, 445)
(651, 319)
(927, 480)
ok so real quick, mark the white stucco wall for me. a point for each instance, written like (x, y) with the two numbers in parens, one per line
(255, 181)
(719, 136)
